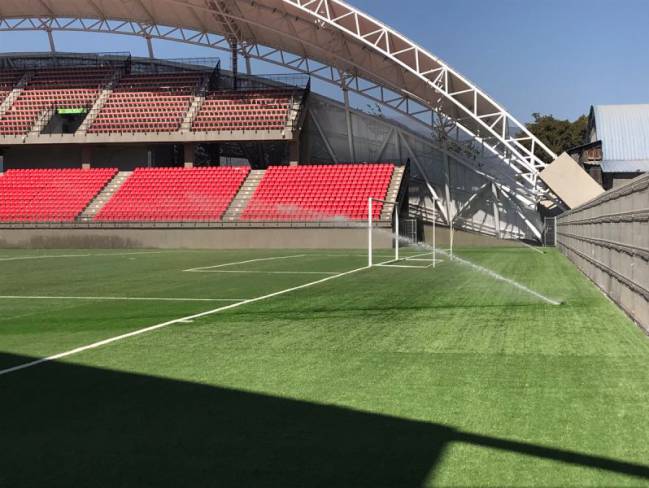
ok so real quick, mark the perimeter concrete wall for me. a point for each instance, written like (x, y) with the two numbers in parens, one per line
(608, 239)
(249, 238)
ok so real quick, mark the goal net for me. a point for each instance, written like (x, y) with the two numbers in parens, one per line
(394, 240)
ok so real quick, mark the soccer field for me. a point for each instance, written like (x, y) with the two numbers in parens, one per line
(304, 368)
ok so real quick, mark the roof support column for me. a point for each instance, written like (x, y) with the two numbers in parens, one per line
(149, 46)
(50, 38)
(348, 117)
(234, 57)
(248, 65)
(447, 186)
(494, 193)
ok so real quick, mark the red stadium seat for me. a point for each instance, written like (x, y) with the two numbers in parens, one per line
(175, 194)
(310, 193)
(251, 110)
(41, 195)
(148, 103)
(53, 88)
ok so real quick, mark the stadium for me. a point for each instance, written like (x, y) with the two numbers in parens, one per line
(319, 257)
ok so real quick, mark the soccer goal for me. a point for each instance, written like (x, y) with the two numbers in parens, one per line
(390, 243)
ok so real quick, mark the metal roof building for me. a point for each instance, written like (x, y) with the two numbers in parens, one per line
(623, 131)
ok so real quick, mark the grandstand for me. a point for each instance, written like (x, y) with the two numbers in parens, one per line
(213, 276)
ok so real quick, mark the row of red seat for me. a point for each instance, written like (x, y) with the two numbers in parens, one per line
(53, 88)
(174, 194)
(305, 193)
(267, 110)
(129, 108)
(49, 195)
(319, 192)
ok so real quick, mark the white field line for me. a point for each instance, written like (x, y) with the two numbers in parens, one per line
(267, 272)
(403, 266)
(202, 268)
(531, 247)
(186, 319)
(54, 256)
(144, 299)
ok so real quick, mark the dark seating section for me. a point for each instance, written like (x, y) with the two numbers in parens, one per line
(35, 195)
(148, 103)
(229, 111)
(175, 194)
(309, 193)
(52, 89)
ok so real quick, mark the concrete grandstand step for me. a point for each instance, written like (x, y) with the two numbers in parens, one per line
(15, 93)
(393, 191)
(104, 196)
(196, 105)
(106, 92)
(42, 121)
(240, 202)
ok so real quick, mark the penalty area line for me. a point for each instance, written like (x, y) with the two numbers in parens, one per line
(203, 268)
(185, 320)
(143, 299)
(57, 256)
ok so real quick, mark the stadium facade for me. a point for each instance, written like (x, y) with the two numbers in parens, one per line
(470, 163)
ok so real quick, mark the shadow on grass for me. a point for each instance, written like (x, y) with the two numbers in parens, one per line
(69, 425)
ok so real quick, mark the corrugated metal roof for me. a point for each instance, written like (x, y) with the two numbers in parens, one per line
(637, 166)
(624, 131)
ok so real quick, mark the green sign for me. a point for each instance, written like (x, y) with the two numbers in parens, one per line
(71, 111)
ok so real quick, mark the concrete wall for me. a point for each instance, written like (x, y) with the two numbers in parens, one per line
(608, 239)
(254, 238)
(465, 239)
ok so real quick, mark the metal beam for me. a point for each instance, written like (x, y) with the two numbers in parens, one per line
(496, 209)
(430, 187)
(323, 136)
(471, 199)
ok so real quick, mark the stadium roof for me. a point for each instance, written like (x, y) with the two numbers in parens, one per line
(624, 132)
(327, 39)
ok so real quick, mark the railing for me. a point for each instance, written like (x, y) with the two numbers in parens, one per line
(176, 65)
(36, 61)
(608, 239)
(266, 82)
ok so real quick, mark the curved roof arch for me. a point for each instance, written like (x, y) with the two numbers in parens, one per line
(359, 52)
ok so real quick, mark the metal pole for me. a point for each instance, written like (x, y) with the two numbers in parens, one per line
(434, 239)
(396, 232)
(451, 238)
(50, 38)
(369, 233)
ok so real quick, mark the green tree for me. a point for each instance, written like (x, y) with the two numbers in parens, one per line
(559, 135)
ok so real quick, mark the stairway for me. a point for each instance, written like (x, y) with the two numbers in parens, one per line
(42, 121)
(15, 93)
(103, 196)
(393, 192)
(100, 102)
(240, 202)
(196, 105)
(294, 113)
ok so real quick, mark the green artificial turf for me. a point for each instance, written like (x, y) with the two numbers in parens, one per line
(383, 377)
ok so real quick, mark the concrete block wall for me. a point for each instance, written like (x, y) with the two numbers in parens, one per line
(608, 239)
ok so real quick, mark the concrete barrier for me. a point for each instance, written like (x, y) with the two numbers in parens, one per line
(200, 238)
(608, 239)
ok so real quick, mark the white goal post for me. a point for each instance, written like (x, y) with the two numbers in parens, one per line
(396, 236)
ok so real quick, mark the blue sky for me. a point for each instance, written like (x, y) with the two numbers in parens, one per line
(549, 56)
